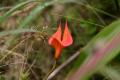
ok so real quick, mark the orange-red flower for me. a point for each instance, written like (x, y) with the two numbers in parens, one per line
(59, 42)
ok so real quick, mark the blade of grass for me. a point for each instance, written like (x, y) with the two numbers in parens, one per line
(8, 13)
(95, 62)
(103, 12)
(17, 31)
(34, 13)
(88, 6)
(104, 53)
(110, 72)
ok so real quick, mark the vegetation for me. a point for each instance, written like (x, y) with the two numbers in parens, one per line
(27, 25)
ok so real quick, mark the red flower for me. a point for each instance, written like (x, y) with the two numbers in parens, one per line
(59, 42)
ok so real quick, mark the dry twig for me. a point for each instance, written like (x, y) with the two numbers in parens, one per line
(57, 70)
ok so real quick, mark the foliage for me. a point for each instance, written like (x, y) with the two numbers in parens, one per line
(26, 25)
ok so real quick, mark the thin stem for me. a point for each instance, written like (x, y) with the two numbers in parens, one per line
(117, 5)
(52, 69)
(68, 61)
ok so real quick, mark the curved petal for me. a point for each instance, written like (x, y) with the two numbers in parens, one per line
(67, 38)
(56, 35)
(58, 48)
(55, 41)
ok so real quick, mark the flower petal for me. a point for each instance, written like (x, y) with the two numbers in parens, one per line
(55, 41)
(67, 38)
(58, 49)
(57, 35)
